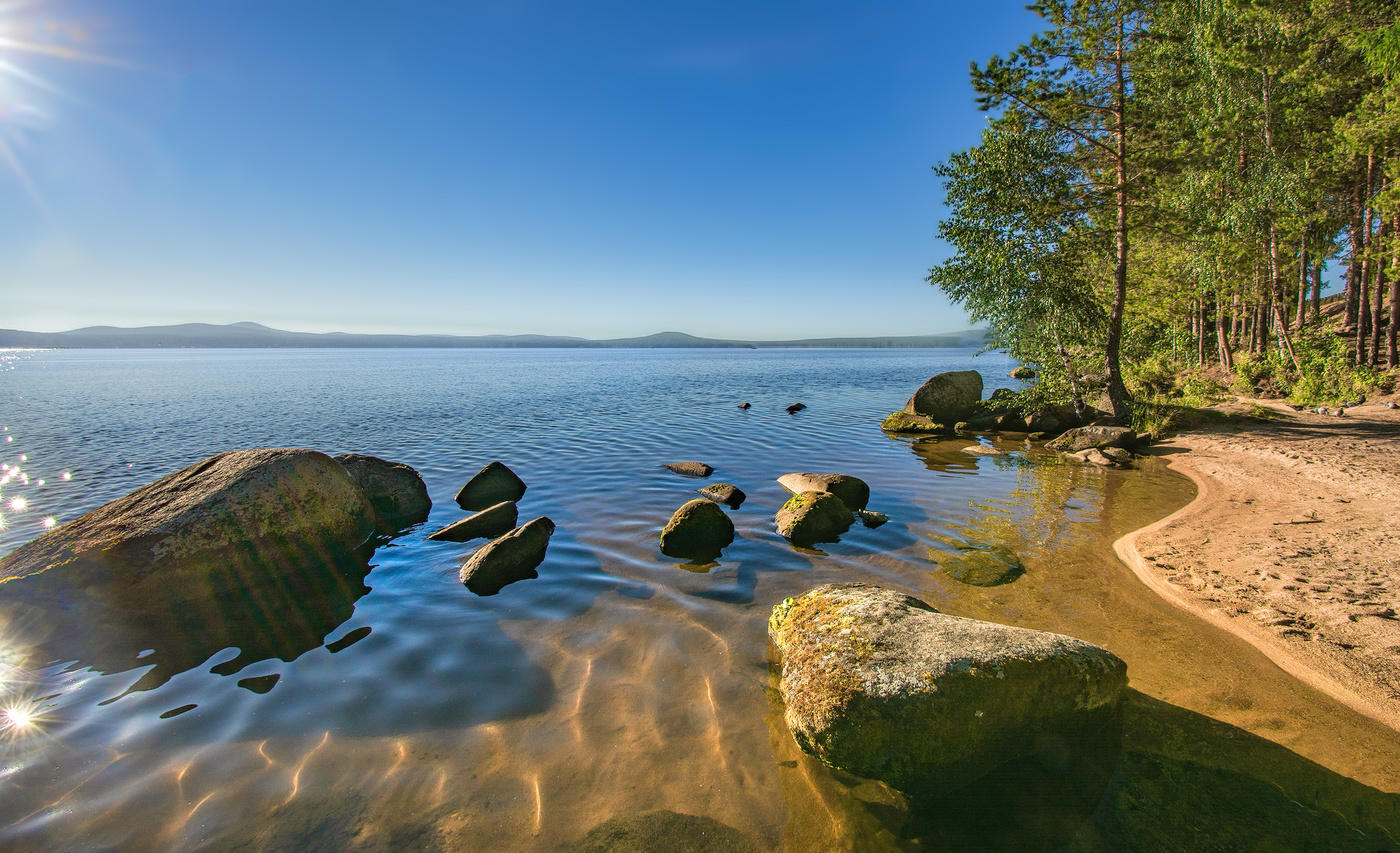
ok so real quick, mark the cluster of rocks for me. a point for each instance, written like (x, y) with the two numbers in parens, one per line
(951, 403)
(792, 409)
(823, 506)
(514, 552)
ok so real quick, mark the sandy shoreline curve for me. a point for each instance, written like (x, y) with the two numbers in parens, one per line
(1289, 545)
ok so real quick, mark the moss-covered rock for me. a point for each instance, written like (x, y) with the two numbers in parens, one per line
(903, 422)
(852, 491)
(1096, 437)
(698, 531)
(690, 469)
(1022, 372)
(990, 565)
(879, 684)
(812, 517)
(510, 558)
(724, 493)
(490, 486)
(947, 397)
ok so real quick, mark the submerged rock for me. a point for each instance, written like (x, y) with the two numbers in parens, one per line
(699, 530)
(395, 491)
(492, 521)
(852, 491)
(1097, 437)
(947, 397)
(812, 517)
(690, 469)
(276, 505)
(745, 406)
(980, 565)
(511, 558)
(731, 496)
(904, 422)
(879, 684)
(490, 486)
(662, 831)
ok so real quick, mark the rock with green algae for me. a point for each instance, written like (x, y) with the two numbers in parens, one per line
(698, 530)
(852, 491)
(812, 517)
(903, 422)
(663, 830)
(879, 684)
(724, 493)
(991, 565)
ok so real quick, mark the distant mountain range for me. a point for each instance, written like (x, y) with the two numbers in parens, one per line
(204, 335)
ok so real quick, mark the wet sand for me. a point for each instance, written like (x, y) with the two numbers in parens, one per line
(1290, 545)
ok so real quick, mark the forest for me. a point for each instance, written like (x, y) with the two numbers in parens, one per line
(1164, 191)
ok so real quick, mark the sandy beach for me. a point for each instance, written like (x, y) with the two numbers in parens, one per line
(1291, 544)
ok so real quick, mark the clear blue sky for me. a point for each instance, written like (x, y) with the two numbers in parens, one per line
(727, 169)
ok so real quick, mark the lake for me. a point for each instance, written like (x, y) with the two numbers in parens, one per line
(403, 712)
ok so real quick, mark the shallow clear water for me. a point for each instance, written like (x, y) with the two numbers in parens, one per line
(409, 713)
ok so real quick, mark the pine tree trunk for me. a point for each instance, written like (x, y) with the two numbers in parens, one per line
(1317, 292)
(1358, 247)
(1392, 359)
(1302, 312)
(1117, 391)
(1222, 341)
(1378, 295)
(1280, 303)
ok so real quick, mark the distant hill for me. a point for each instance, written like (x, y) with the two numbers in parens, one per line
(239, 335)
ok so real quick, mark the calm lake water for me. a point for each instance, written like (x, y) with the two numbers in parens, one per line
(404, 712)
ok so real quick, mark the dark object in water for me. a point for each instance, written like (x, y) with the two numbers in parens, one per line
(795, 408)
(690, 469)
(490, 486)
(724, 493)
(697, 531)
(511, 558)
(745, 405)
(490, 522)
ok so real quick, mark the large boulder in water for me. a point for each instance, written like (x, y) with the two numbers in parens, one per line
(268, 505)
(852, 491)
(490, 486)
(947, 397)
(699, 530)
(253, 549)
(511, 558)
(812, 517)
(879, 684)
(395, 491)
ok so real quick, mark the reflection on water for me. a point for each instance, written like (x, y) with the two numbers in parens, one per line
(374, 704)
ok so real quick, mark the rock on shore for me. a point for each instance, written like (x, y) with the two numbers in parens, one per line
(1094, 437)
(879, 684)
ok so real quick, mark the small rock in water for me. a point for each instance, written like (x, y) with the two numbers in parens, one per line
(870, 518)
(1098, 457)
(852, 491)
(511, 558)
(724, 493)
(812, 517)
(698, 531)
(982, 450)
(1118, 455)
(691, 469)
(795, 408)
(903, 422)
(491, 522)
(745, 405)
(490, 486)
